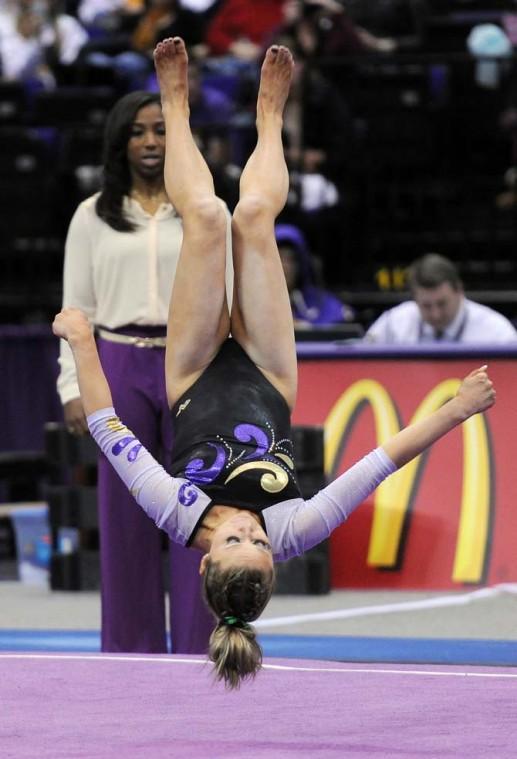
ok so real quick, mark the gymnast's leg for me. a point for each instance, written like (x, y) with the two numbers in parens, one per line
(198, 314)
(261, 318)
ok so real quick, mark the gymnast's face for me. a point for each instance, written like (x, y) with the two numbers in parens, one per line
(240, 540)
(146, 145)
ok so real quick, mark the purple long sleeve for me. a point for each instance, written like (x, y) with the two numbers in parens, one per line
(173, 503)
(295, 526)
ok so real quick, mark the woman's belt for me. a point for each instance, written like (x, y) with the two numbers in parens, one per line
(137, 342)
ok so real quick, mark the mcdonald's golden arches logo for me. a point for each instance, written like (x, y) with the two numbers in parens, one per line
(393, 498)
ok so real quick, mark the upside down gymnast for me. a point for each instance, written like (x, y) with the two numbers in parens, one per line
(231, 490)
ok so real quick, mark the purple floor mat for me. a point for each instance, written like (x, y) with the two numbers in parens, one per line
(56, 706)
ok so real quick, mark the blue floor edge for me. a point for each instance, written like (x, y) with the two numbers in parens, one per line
(333, 648)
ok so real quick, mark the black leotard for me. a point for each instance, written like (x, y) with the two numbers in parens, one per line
(232, 435)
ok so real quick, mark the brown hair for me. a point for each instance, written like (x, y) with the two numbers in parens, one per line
(236, 596)
(433, 270)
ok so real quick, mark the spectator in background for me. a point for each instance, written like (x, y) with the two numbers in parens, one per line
(110, 53)
(167, 18)
(21, 49)
(311, 305)
(8, 10)
(127, 49)
(63, 36)
(187, 23)
(439, 311)
(242, 28)
(404, 21)
(324, 28)
(35, 38)
(157, 15)
(202, 7)
(101, 16)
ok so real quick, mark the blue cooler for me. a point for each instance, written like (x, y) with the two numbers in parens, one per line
(33, 543)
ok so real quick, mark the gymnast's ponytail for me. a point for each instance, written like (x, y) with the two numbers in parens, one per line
(236, 597)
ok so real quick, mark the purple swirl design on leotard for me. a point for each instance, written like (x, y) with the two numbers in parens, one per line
(187, 494)
(196, 471)
(245, 433)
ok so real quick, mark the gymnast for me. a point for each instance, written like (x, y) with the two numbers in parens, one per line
(231, 490)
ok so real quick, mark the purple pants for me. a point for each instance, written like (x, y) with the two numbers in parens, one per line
(132, 587)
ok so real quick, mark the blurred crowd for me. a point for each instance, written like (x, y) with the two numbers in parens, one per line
(51, 44)
(48, 46)
(38, 38)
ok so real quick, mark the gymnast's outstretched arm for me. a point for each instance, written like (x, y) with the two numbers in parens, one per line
(299, 525)
(475, 394)
(160, 495)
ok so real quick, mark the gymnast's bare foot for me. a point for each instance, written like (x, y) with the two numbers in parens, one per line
(275, 79)
(171, 63)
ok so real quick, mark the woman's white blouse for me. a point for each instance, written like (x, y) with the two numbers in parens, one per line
(120, 278)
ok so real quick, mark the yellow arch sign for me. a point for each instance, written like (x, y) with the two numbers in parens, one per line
(392, 498)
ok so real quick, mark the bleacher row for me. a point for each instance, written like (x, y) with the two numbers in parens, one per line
(431, 158)
(42, 144)
(425, 168)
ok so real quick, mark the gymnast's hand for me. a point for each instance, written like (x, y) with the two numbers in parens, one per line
(72, 325)
(476, 393)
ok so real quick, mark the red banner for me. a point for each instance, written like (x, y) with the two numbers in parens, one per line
(448, 518)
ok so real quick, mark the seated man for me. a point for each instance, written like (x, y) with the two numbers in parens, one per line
(439, 311)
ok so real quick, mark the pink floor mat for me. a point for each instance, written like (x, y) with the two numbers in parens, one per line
(55, 706)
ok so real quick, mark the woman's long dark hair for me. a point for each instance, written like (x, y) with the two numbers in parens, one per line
(116, 179)
(236, 596)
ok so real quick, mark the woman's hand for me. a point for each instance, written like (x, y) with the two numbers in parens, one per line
(476, 392)
(72, 325)
(75, 419)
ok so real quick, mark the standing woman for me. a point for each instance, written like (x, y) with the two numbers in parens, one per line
(121, 254)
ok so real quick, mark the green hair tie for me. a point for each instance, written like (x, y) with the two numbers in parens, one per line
(232, 621)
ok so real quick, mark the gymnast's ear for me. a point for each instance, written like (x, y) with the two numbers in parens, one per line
(202, 565)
